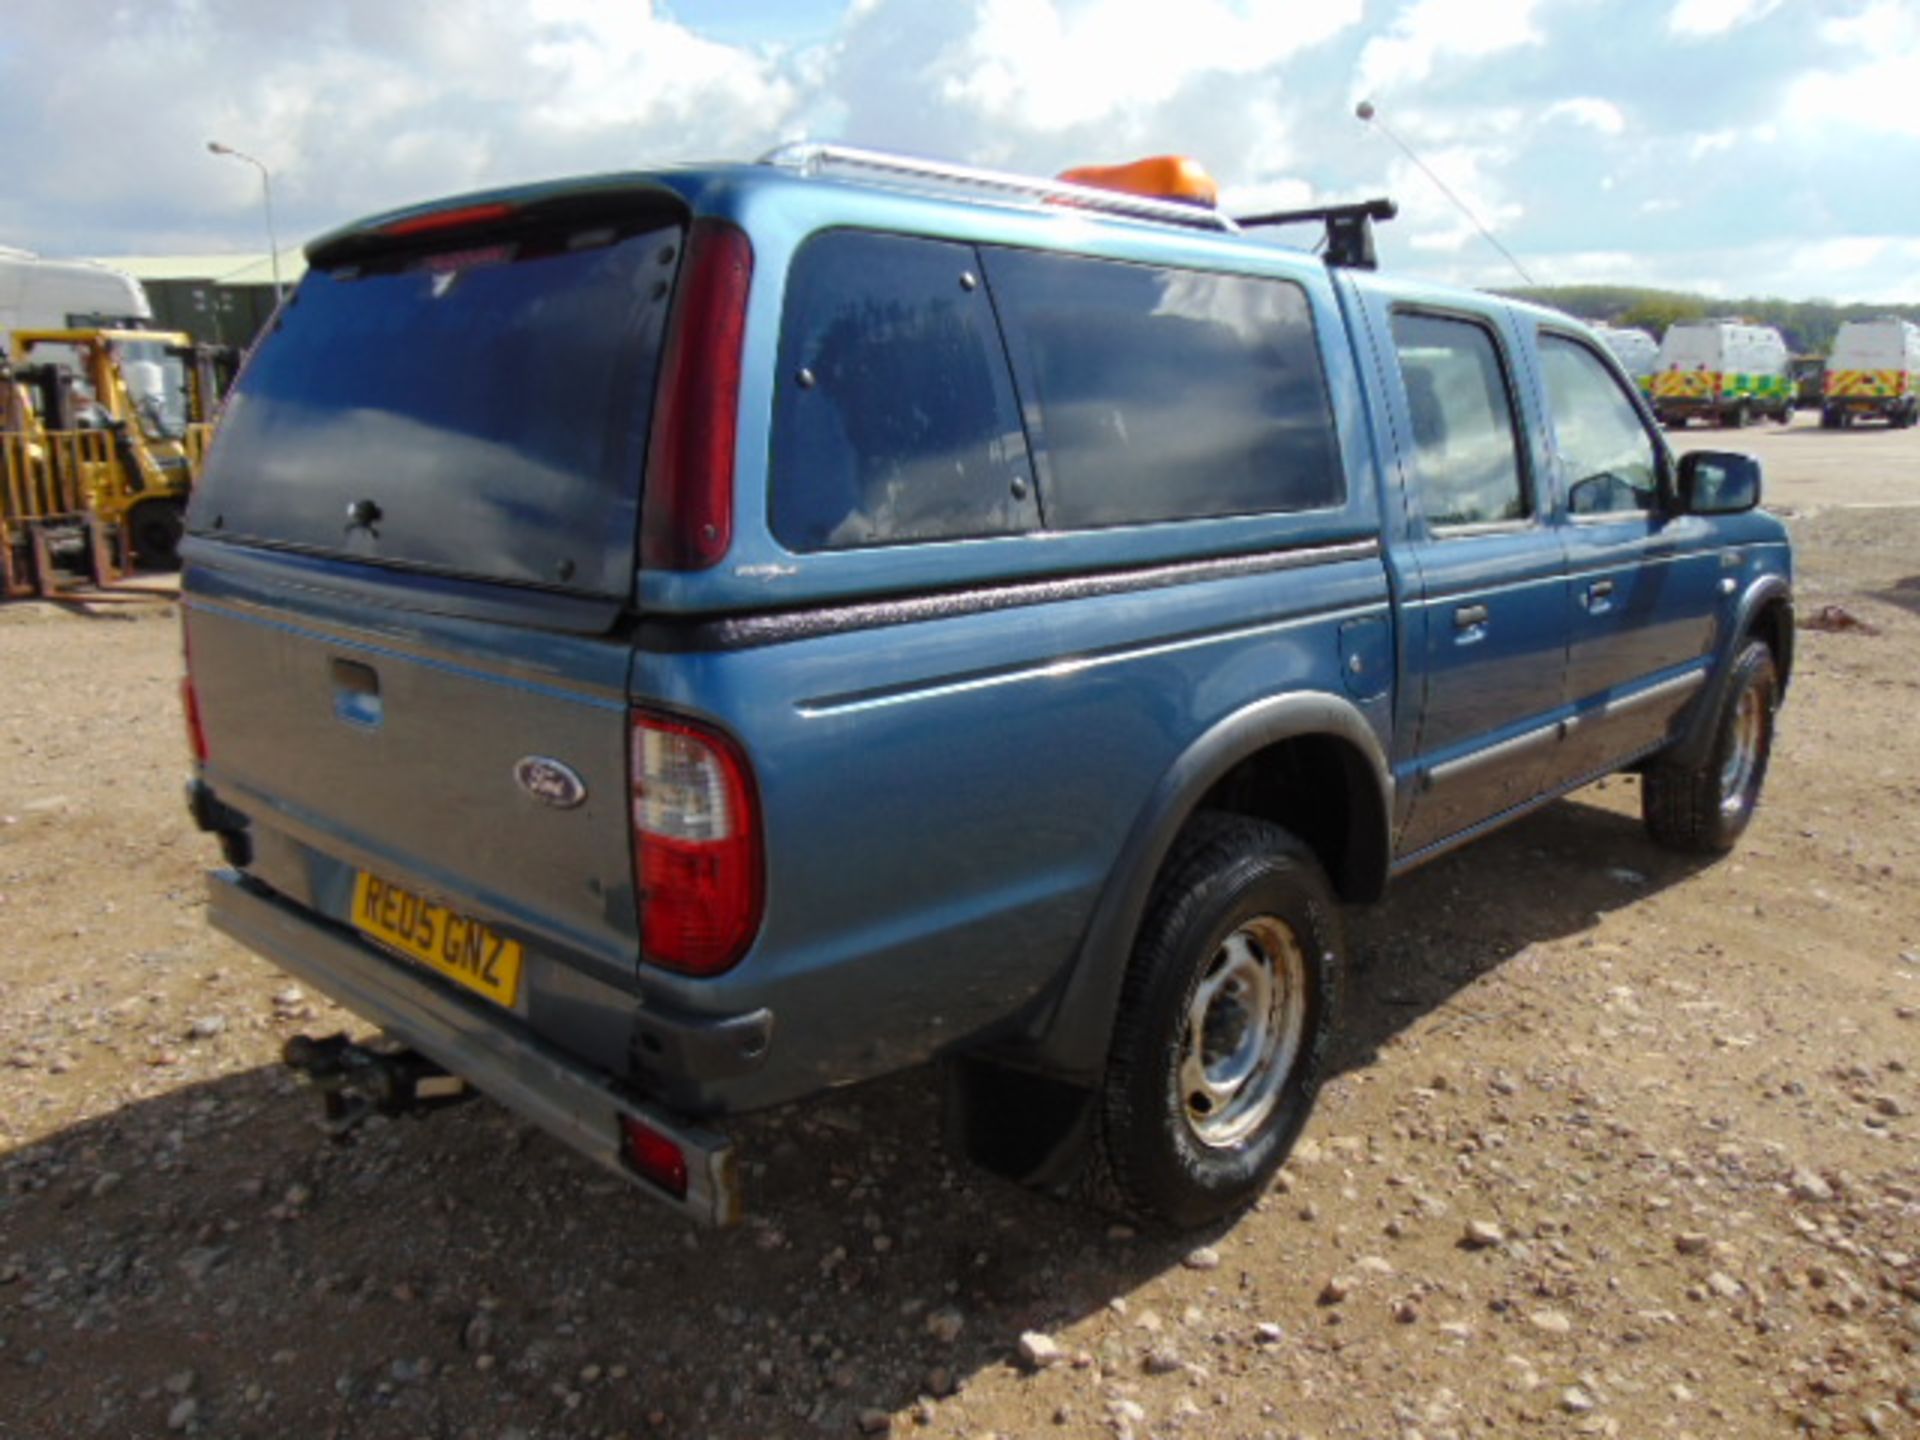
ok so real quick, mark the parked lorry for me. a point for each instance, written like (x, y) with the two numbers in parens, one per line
(41, 294)
(114, 422)
(770, 625)
(1873, 372)
(1725, 372)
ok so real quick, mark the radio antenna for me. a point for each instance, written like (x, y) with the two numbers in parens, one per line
(1369, 115)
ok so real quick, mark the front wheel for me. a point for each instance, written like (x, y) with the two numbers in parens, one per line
(1225, 1021)
(1705, 808)
(156, 527)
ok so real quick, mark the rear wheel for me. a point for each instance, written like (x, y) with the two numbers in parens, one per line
(1705, 808)
(1738, 415)
(1225, 1020)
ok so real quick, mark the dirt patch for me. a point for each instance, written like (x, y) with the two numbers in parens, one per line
(1619, 1146)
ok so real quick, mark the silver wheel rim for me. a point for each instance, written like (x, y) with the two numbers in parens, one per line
(1244, 1028)
(1743, 751)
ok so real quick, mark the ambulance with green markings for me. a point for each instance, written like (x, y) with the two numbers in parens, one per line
(1636, 350)
(1874, 372)
(1725, 372)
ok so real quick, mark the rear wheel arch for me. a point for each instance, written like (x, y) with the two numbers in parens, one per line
(1276, 761)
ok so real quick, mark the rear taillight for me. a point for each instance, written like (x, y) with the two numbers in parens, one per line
(687, 515)
(696, 846)
(190, 707)
(196, 734)
(656, 1156)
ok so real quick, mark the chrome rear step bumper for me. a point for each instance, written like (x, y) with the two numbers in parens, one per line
(574, 1103)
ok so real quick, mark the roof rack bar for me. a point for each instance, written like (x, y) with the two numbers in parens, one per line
(811, 158)
(1349, 228)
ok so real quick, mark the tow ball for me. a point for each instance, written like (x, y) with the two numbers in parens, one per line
(355, 1081)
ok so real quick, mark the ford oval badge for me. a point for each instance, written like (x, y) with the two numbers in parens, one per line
(551, 782)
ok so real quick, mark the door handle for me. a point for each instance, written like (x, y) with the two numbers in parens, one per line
(1468, 616)
(1600, 597)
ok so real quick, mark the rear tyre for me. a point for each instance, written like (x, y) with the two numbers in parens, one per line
(1225, 1021)
(1704, 809)
(1738, 415)
(1829, 418)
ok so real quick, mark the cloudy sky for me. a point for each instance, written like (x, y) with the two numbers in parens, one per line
(1735, 146)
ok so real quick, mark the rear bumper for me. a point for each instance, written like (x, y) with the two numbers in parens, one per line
(576, 1104)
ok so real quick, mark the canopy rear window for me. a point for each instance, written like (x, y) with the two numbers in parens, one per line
(480, 411)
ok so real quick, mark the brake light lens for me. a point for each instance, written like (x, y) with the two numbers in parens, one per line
(687, 515)
(456, 218)
(655, 1156)
(696, 844)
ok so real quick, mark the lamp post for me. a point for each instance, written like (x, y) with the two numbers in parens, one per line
(266, 192)
(1368, 115)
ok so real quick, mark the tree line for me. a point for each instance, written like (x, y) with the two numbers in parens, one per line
(1808, 325)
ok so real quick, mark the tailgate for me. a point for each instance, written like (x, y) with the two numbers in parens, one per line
(420, 747)
(408, 570)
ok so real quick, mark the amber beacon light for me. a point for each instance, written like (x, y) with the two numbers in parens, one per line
(1162, 177)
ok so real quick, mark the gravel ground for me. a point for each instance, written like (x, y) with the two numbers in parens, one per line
(1619, 1145)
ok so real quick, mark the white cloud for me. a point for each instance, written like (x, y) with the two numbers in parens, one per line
(1715, 17)
(1428, 32)
(1701, 147)
(1601, 115)
(1052, 64)
(1435, 223)
(1882, 94)
(1567, 146)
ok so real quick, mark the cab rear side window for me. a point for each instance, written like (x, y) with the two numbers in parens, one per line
(1155, 393)
(894, 415)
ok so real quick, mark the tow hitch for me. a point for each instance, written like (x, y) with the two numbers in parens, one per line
(355, 1082)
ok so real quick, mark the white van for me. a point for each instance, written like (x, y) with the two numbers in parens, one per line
(41, 294)
(1724, 371)
(1874, 370)
(1636, 350)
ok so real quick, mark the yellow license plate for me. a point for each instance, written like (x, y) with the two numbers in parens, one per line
(461, 949)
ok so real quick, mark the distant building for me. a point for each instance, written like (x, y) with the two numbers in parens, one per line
(224, 299)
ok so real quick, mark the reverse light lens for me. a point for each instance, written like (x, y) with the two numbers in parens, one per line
(685, 795)
(696, 840)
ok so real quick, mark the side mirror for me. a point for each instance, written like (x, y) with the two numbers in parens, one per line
(1717, 482)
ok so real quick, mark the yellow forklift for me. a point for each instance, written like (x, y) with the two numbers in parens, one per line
(101, 435)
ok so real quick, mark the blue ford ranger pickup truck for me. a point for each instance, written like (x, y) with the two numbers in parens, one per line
(665, 644)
